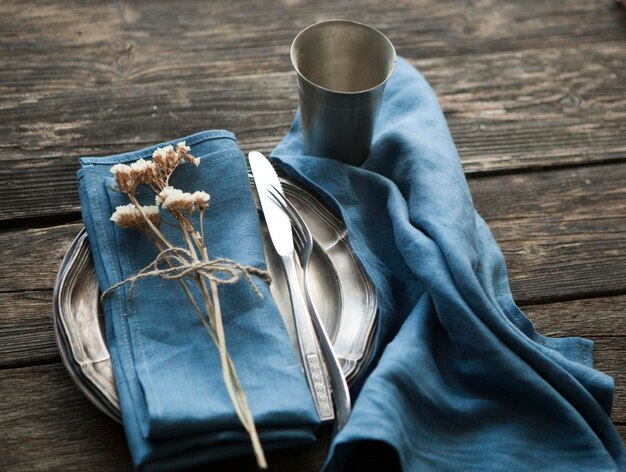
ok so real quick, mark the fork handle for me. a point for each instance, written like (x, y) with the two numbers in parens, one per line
(307, 341)
(341, 393)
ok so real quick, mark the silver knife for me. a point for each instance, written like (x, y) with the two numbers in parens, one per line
(279, 227)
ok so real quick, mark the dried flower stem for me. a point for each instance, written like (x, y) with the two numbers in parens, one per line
(194, 261)
(231, 379)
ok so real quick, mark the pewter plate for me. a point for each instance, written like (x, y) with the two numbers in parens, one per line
(342, 293)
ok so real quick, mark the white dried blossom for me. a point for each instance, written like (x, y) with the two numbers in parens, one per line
(193, 160)
(128, 216)
(178, 200)
(164, 157)
(153, 213)
(120, 169)
(144, 171)
(202, 199)
(160, 198)
(124, 178)
(182, 147)
(141, 165)
(161, 153)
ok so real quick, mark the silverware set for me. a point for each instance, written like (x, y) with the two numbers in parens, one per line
(332, 283)
(304, 247)
(292, 239)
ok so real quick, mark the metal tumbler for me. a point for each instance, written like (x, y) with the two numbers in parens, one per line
(342, 69)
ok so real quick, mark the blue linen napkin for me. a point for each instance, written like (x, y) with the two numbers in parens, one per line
(175, 408)
(460, 378)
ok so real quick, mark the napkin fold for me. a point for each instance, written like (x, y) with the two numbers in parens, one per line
(175, 407)
(460, 379)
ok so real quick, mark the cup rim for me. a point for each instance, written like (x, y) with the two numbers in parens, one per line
(340, 20)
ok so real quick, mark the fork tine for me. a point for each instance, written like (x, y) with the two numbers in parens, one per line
(301, 232)
(276, 194)
(288, 208)
(291, 210)
(298, 239)
(286, 205)
(278, 198)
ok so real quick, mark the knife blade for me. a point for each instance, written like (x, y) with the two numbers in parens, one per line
(279, 227)
(278, 223)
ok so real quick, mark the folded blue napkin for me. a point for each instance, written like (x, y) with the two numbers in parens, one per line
(460, 379)
(175, 408)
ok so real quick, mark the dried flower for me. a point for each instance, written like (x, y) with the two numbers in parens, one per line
(193, 160)
(193, 262)
(129, 216)
(160, 154)
(201, 198)
(124, 178)
(172, 156)
(140, 166)
(162, 196)
(176, 199)
(144, 171)
(182, 151)
(182, 147)
(164, 157)
(120, 169)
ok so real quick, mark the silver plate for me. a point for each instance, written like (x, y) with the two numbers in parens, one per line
(342, 292)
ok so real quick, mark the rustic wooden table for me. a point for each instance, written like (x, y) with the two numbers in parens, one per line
(534, 93)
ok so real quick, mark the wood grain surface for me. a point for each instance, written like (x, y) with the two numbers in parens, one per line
(506, 111)
(534, 93)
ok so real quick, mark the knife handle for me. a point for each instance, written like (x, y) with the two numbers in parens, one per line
(309, 348)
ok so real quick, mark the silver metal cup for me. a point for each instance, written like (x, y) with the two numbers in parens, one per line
(342, 68)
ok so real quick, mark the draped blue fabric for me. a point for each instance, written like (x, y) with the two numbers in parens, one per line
(460, 379)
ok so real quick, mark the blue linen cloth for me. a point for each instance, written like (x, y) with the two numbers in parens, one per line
(175, 408)
(460, 378)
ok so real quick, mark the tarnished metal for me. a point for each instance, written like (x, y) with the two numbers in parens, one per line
(342, 69)
(343, 295)
(279, 227)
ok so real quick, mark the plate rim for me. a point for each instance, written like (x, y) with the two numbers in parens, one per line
(104, 404)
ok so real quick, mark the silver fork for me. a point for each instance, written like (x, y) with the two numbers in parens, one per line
(304, 244)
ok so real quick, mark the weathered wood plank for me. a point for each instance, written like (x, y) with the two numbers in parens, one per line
(591, 317)
(560, 230)
(27, 335)
(505, 111)
(69, 44)
(534, 109)
(31, 258)
(26, 330)
(48, 425)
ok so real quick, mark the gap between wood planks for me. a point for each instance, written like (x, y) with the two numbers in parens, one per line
(106, 43)
(74, 215)
(27, 337)
(585, 127)
(49, 424)
(560, 231)
(509, 112)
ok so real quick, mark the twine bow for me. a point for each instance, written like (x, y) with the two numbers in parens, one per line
(182, 264)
